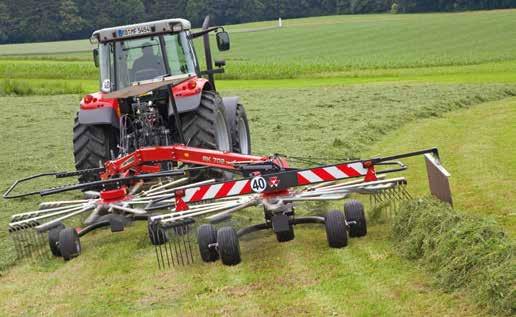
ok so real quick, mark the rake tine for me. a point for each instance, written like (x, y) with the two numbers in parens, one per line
(177, 252)
(30, 241)
(166, 253)
(161, 252)
(155, 247)
(190, 243)
(22, 241)
(15, 236)
(180, 252)
(169, 244)
(183, 238)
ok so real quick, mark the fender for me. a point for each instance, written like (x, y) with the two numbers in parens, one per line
(188, 94)
(98, 110)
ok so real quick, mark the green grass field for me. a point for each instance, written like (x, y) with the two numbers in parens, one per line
(332, 87)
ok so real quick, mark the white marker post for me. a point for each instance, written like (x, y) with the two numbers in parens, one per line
(280, 23)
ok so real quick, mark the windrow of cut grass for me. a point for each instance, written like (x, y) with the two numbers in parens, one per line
(462, 251)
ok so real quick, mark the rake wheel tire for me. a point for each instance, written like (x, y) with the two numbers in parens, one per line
(206, 235)
(157, 235)
(92, 146)
(228, 245)
(53, 239)
(354, 211)
(285, 236)
(69, 243)
(205, 125)
(336, 233)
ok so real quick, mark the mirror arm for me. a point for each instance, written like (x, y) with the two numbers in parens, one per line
(213, 71)
(201, 33)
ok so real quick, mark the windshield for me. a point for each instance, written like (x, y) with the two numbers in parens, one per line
(143, 59)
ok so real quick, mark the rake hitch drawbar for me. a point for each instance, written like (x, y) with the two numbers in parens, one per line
(177, 207)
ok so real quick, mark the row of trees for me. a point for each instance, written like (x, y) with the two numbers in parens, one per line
(48, 20)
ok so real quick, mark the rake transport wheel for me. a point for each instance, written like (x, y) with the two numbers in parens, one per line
(228, 245)
(336, 232)
(206, 235)
(92, 145)
(354, 211)
(157, 235)
(69, 243)
(285, 236)
(53, 239)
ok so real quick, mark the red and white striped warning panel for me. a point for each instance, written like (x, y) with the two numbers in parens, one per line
(227, 189)
(279, 181)
(330, 173)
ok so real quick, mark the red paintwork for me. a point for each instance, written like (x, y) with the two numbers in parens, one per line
(96, 100)
(114, 194)
(189, 88)
(371, 175)
(138, 161)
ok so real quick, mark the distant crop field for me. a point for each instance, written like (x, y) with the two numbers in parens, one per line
(318, 46)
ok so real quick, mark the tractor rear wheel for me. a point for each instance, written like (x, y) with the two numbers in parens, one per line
(92, 146)
(336, 232)
(206, 235)
(354, 211)
(239, 127)
(228, 245)
(207, 127)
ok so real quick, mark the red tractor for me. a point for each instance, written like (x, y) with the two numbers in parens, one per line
(197, 116)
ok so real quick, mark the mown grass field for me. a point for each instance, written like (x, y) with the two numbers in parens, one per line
(331, 87)
(303, 277)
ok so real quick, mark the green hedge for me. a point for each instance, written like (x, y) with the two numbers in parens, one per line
(464, 252)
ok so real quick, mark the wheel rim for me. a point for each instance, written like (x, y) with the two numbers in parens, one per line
(222, 137)
(243, 137)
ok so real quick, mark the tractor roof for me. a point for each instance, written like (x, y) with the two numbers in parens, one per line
(140, 30)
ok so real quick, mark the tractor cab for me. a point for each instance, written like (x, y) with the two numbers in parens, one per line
(134, 53)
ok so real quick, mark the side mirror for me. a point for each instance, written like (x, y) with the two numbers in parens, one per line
(220, 63)
(223, 41)
(96, 57)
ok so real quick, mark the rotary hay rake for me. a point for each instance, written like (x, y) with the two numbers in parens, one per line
(161, 185)
(173, 204)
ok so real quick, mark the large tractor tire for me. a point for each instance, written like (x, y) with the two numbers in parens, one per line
(239, 127)
(92, 146)
(207, 127)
